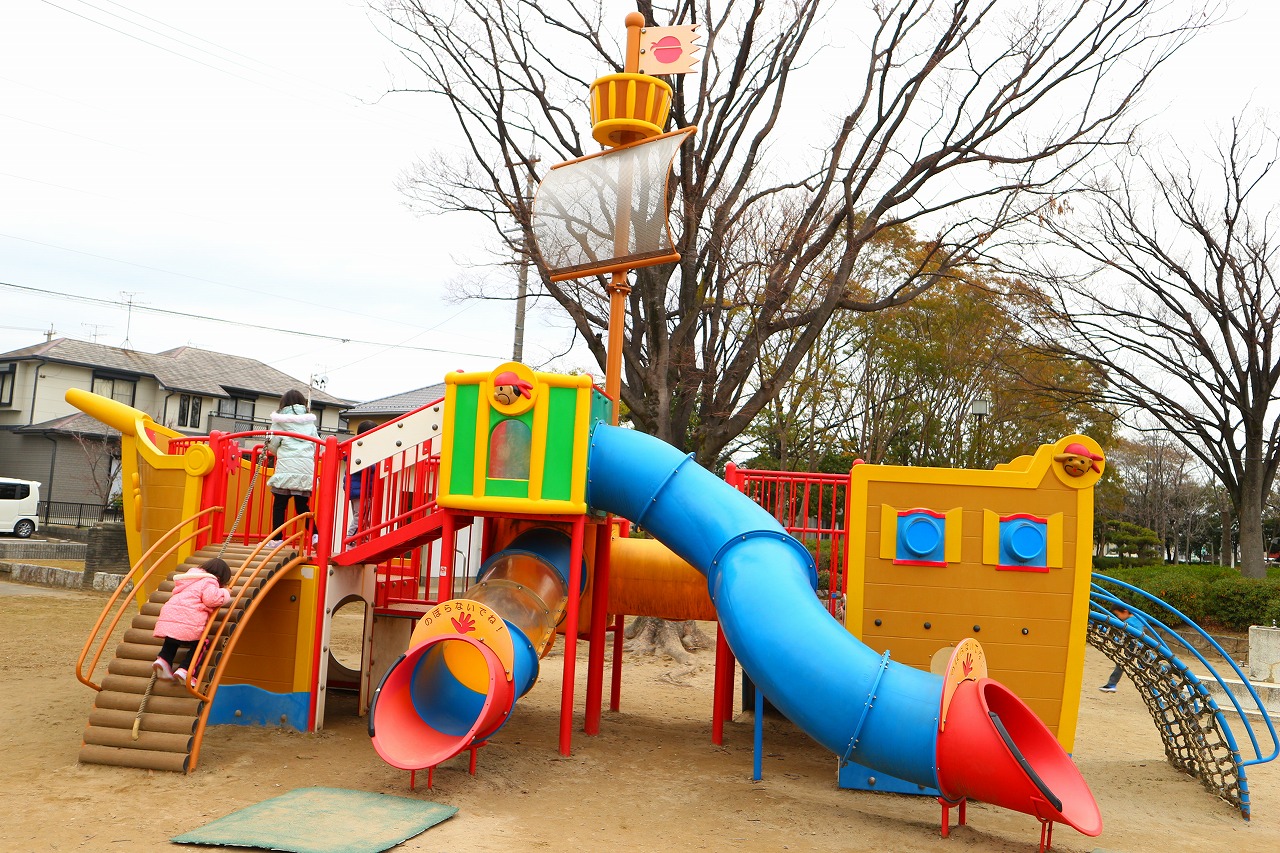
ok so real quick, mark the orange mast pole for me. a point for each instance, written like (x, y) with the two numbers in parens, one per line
(619, 289)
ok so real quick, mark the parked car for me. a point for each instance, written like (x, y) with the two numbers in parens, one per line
(18, 500)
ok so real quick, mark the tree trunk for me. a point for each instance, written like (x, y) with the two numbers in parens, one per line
(1253, 544)
(1227, 548)
(648, 635)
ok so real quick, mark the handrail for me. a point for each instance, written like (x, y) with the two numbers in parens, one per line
(269, 432)
(138, 583)
(198, 673)
(234, 637)
(1107, 597)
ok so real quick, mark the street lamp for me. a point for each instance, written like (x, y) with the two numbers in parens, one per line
(980, 409)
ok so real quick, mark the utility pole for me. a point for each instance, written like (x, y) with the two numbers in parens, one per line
(522, 290)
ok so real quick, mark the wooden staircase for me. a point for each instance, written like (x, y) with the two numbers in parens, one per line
(173, 722)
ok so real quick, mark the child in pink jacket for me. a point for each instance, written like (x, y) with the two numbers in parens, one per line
(197, 593)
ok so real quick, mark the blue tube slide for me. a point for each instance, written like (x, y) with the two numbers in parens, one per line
(855, 702)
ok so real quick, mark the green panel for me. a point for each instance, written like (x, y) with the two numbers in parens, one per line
(462, 476)
(557, 480)
(506, 488)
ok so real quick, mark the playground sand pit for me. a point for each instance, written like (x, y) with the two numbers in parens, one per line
(652, 779)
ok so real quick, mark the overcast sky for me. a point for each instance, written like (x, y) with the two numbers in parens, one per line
(236, 162)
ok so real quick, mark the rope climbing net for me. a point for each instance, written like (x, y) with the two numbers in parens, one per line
(1188, 720)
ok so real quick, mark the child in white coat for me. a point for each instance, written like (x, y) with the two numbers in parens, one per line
(295, 459)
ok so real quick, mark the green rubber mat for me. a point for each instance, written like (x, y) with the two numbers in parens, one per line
(322, 820)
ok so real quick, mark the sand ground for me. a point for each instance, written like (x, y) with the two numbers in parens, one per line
(652, 779)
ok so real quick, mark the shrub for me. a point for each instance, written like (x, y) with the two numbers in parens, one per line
(1213, 595)
(1237, 602)
(1272, 616)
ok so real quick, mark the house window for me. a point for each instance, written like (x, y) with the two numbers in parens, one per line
(117, 388)
(189, 411)
(240, 409)
(8, 373)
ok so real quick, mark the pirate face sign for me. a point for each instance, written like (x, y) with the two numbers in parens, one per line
(1077, 460)
(512, 388)
(509, 388)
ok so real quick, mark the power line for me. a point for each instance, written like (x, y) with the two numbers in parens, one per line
(69, 133)
(344, 95)
(253, 290)
(93, 300)
(273, 68)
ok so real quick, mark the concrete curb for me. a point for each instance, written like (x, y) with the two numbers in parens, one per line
(64, 578)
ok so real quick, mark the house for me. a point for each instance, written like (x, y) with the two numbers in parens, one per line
(195, 391)
(389, 408)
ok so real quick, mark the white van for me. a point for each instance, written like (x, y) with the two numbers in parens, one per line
(18, 499)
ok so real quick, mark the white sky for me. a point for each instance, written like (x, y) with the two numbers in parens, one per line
(229, 161)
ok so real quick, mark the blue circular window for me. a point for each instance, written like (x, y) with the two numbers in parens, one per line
(1026, 541)
(922, 535)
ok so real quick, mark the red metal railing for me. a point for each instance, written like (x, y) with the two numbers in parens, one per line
(236, 470)
(179, 446)
(811, 506)
(398, 493)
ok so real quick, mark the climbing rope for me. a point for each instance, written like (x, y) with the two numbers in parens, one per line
(142, 706)
(258, 465)
(1187, 718)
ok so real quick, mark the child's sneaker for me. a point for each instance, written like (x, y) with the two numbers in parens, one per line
(1108, 688)
(274, 543)
(315, 538)
(162, 670)
(181, 676)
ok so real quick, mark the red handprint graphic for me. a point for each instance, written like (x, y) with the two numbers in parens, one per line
(464, 624)
(967, 664)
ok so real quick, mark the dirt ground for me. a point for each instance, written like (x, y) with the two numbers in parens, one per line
(652, 779)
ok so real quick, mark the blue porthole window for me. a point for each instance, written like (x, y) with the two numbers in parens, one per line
(1024, 543)
(921, 538)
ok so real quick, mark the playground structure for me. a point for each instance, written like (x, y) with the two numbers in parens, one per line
(533, 465)
(530, 561)
(469, 659)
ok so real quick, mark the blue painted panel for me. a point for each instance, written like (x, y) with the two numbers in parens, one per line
(258, 707)
(853, 776)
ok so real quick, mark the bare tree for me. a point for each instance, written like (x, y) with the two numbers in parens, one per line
(1178, 304)
(101, 463)
(953, 116)
(1162, 491)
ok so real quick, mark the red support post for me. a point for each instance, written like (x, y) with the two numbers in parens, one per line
(448, 550)
(599, 619)
(324, 498)
(571, 635)
(717, 692)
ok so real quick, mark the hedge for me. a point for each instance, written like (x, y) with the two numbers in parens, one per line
(1213, 596)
